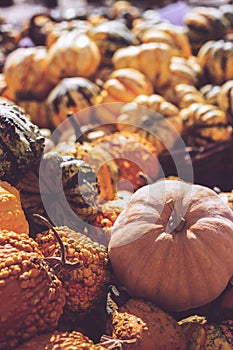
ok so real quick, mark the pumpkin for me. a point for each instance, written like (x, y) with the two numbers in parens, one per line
(79, 26)
(145, 325)
(38, 27)
(12, 217)
(21, 142)
(173, 221)
(225, 99)
(205, 123)
(227, 197)
(216, 61)
(71, 95)
(73, 54)
(162, 129)
(32, 297)
(152, 59)
(201, 334)
(227, 13)
(169, 34)
(187, 94)
(203, 24)
(61, 187)
(110, 36)
(135, 157)
(30, 67)
(38, 112)
(210, 93)
(123, 85)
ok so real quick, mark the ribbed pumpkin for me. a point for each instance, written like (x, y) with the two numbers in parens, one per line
(109, 36)
(210, 93)
(205, 123)
(123, 85)
(225, 99)
(152, 59)
(160, 245)
(203, 24)
(187, 94)
(32, 297)
(12, 217)
(38, 112)
(216, 61)
(72, 55)
(71, 95)
(30, 67)
(80, 26)
(169, 34)
(203, 335)
(162, 129)
(21, 142)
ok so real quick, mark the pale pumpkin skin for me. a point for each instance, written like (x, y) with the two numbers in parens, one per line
(176, 270)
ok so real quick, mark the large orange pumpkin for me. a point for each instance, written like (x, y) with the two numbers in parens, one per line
(173, 245)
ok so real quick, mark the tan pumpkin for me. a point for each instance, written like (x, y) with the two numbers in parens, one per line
(216, 61)
(80, 26)
(71, 95)
(72, 55)
(123, 85)
(205, 123)
(169, 34)
(162, 129)
(30, 67)
(225, 99)
(38, 112)
(187, 94)
(110, 36)
(201, 334)
(210, 93)
(12, 217)
(160, 245)
(152, 59)
(203, 24)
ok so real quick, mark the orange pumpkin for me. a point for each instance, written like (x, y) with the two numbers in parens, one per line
(173, 245)
(12, 217)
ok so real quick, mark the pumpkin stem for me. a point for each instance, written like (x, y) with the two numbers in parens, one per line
(76, 126)
(55, 261)
(176, 221)
(114, 344)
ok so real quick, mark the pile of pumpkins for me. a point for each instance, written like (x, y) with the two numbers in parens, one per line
(96, 251)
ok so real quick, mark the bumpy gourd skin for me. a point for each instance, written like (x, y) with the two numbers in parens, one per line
(60, 341)
(83, 285)
(21, 143)
(202, 335)
(150, 326)
(32, 297)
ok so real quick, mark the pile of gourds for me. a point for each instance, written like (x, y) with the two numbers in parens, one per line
(96, 251)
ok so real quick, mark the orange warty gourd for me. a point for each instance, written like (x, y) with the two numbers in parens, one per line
(173, 245)
(11, 213)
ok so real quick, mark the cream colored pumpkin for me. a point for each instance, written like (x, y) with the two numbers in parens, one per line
(181, 258)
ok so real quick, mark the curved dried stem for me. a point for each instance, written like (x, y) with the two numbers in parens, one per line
(57, 262)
